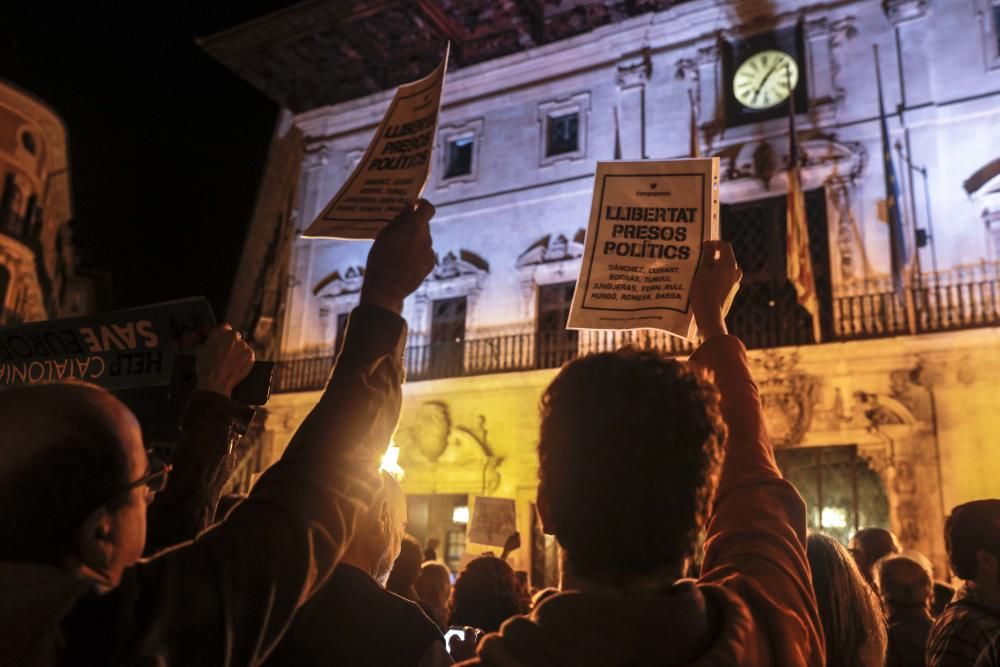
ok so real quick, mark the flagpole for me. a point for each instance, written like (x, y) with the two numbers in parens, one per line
(897, 238)
(695, 148)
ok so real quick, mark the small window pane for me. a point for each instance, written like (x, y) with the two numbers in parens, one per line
(459, 157)
(996, 28)
(563, 134)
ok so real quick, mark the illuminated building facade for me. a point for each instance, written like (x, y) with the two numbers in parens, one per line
(889, 420)
(38, 279)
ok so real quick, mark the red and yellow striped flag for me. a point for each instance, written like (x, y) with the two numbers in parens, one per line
(797, 257)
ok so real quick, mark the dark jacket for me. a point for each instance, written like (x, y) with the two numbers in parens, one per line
(354, 621)
(212, 426)
(908, 628)
(962, 631)
(227, 597)
(753, 605)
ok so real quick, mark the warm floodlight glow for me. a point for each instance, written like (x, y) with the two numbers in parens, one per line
(833, 517)
(460, 514)
(390, 462)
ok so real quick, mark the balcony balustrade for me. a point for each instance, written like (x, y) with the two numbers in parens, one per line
(961, 298)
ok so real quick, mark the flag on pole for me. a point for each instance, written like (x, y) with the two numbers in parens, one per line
(797, 257)
(695, 148)
(618, 138)
(897, 236)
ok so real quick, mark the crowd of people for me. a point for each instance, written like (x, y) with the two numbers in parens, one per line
(110, 556)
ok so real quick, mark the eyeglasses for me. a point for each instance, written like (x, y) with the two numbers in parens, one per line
(155, 480)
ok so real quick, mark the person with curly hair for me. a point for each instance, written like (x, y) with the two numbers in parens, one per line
(638, 455)
(485, 595)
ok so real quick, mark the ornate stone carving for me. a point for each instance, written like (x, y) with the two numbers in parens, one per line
(465, 263)
(551, 248)
(816, 152)
(635, 71)
(901, 11)
(907, 386)
(316, 156)
(346, 282)
(433, 447)
(788, 396)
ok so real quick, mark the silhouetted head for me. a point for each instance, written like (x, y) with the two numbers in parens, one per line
(869, 545)
(379, 532)
(485, 595)
(434, 584)
(904, 582)
(629, 454)
(853, 623)
(67, 491)
(972, 536)
(406, 569)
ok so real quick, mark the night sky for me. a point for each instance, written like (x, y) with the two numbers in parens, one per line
(167, 146)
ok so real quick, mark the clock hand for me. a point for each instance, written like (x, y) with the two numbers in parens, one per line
(768, 76)
(764, 80)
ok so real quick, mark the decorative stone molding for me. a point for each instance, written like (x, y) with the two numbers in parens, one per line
(340, 282)
(454, 275)
(787, 395)
(551, 248)
(634, 70)
(903, 11)
(750, 171)
(550, 259)
(825, 42)
(352, 158)
(338, 293)
(316, 156)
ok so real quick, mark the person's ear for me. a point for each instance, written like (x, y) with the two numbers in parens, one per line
(385, 520)
(96, 540)
(545, 510)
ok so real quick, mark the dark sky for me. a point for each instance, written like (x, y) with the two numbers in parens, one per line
(166, 145)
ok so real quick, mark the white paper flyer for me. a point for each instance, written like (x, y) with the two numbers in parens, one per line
(648, 220)
(393, 171)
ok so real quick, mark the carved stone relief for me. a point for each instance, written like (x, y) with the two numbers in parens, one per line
(437, 453)
(787, 394)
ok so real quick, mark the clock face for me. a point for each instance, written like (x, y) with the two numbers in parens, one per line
(765, 79)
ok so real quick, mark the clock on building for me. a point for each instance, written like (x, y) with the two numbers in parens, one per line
(761, 73)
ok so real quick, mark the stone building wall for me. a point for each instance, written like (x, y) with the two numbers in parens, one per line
(917, 409)
(920, 410)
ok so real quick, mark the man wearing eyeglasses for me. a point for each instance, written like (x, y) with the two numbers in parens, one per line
(75, 483)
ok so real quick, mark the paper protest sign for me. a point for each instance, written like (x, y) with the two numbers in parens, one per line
(647, 223)
(393, 171)
(493, 521)
(119, 350)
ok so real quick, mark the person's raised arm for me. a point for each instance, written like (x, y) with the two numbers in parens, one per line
(749, 454)
(227, 597)
(755, 544)
(212, 425)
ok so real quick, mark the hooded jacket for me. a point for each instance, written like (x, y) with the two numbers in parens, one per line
(227, 597)
(753, 604)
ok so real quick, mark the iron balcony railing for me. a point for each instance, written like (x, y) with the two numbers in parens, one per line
(962, 298)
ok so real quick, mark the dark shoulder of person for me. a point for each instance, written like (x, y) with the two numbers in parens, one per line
(353, 621)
